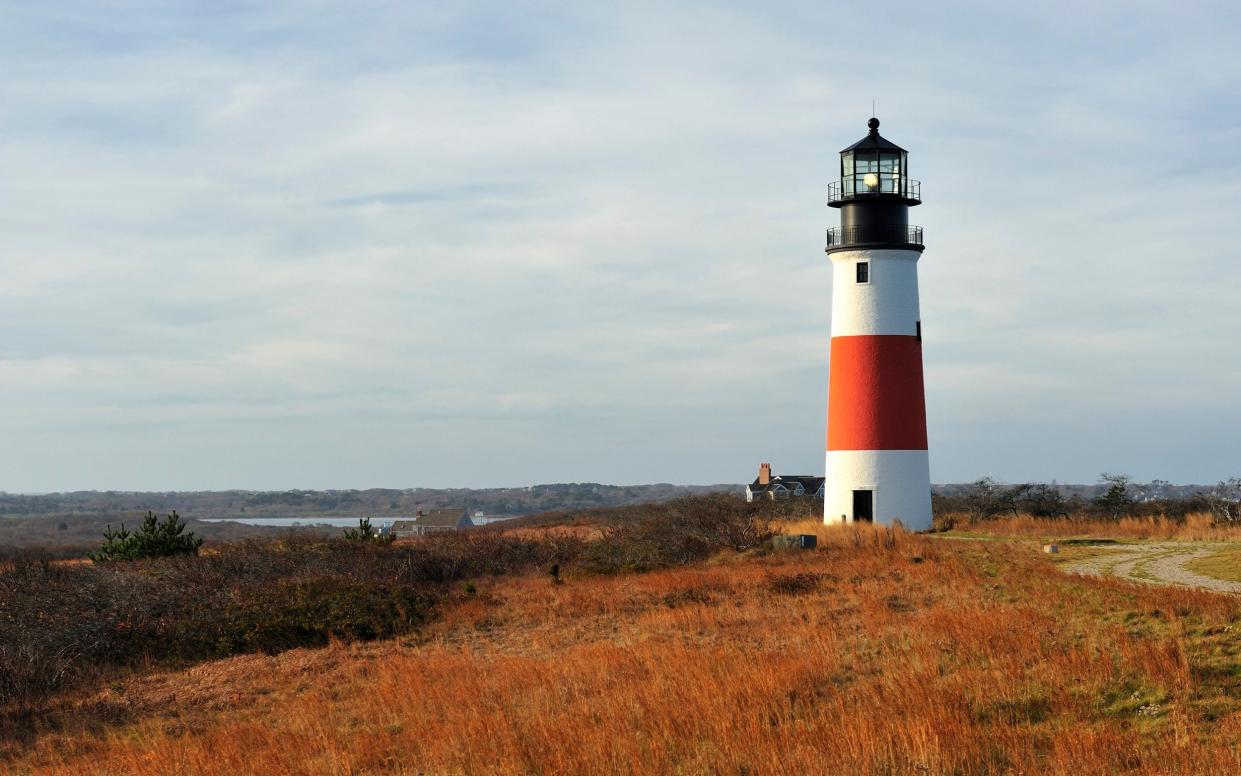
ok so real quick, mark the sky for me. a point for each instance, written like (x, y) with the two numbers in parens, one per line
(454, 244)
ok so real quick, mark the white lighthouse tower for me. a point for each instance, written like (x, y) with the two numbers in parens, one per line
(877, 464)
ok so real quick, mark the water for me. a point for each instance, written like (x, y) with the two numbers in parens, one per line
(335, 522)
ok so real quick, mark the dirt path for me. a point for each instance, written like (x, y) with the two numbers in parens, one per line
(1156, 564)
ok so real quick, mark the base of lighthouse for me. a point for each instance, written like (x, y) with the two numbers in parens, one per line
(891, 484)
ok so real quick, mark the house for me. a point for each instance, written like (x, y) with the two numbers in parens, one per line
(774, 487)
(431, 521)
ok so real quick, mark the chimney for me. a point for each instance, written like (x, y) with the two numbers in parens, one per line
(764, 474)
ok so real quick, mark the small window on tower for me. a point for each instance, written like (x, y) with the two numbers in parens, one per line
(863, 272)
(919, 331)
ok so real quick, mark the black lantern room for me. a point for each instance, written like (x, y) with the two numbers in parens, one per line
(874, 195)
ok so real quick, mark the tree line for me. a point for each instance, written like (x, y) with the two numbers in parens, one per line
(1118, 496)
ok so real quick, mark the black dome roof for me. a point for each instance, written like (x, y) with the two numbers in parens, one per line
(874, 141)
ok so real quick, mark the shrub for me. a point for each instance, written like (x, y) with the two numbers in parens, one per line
(153, 539)
(985, 498)
(1224, 500)
(1115, 501)
(365, 532)
(794, 584)
(678, 533)
(1037, 499)
(310, 612)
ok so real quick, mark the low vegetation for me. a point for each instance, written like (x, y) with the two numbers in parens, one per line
(385, 502)
(1115, 497)
(63, 624)
(700, 509)
(663, 639)
(68, 536)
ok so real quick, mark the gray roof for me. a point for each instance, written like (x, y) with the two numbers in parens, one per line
(809, 483)
(441, 518)
(789, 481)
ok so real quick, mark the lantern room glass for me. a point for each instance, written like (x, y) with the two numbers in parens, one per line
(874, 172)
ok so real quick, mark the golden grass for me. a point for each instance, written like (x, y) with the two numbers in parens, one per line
(878, 653)
(1195, 527)
(1222, 564)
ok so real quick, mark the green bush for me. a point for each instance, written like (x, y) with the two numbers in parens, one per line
(365, 532)
(153, 539)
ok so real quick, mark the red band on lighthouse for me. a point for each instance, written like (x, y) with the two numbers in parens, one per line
(877, 400)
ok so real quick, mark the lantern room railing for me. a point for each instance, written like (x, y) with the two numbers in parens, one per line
(839, 236)
(853, 188)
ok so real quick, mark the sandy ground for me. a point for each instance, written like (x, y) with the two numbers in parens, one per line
(1156, 564)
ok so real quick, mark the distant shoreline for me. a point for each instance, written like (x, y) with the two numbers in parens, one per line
(335, 522)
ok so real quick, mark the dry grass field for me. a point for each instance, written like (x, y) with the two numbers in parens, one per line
(1196, 527)
(877, 653)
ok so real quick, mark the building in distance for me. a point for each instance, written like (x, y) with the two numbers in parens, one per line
(777, 487)
(431, 521)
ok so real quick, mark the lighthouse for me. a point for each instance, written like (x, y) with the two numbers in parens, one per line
(877, 464)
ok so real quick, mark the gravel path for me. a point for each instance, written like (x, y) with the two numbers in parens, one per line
(1154, 564)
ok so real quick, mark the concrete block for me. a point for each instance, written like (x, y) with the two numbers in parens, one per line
(794, 541)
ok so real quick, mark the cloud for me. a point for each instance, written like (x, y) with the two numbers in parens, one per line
(272, 245)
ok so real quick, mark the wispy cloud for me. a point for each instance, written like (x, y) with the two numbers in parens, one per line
(330, 244)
